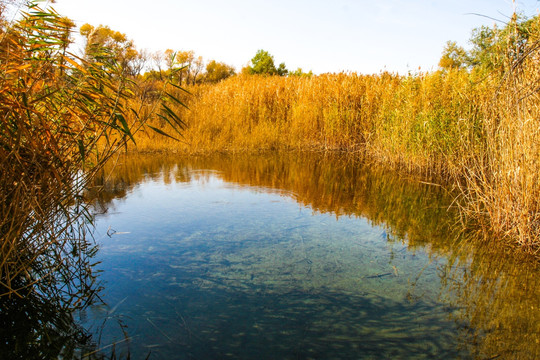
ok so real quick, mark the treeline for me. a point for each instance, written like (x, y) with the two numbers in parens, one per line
(180, 67)
(183, 67)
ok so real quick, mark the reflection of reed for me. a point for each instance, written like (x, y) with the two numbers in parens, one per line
(327, 183)
(501, 295)
(41, 327)
(498, 293)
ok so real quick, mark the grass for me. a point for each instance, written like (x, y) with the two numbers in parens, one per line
(501, 171)
(411, 121)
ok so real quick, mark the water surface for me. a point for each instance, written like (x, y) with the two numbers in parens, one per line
(300, 256)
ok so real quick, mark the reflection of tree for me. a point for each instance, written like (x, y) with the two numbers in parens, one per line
(497, 291)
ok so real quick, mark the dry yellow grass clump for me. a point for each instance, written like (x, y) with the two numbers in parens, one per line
(502, 168)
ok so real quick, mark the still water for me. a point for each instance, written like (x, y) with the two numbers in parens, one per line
(299, 256)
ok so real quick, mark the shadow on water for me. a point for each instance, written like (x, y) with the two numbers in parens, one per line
(490, 293)
(35, 328)
(39, 323)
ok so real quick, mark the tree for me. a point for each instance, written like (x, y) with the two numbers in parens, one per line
(184, 61)
(493, 48)
(197, 67)
(453, 57)
(299, 72)
(106, 45)
(282, 70)
(217, 71)
(263, 64)
(180, 66)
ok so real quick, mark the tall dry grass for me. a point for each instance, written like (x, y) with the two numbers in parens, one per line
(50, 119)
(502, 169)
(479, 130)
(411, 122)
(407, 121)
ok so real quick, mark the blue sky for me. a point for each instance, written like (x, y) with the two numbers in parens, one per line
(323, 36)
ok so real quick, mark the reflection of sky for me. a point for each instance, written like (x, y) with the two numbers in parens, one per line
(234, 259)
(153, 207)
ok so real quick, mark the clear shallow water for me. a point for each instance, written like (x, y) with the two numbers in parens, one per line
(292, 258)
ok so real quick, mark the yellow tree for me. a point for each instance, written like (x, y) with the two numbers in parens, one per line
(106, 45)
(217, 71)
(184, 60)
(453, 57)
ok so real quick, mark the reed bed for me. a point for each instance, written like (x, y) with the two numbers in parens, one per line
(406, 121)
(479, 130)
(502, 166)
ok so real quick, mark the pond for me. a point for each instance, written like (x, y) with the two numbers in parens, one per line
(299, 256)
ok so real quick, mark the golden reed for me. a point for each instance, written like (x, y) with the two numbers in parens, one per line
(457, 124)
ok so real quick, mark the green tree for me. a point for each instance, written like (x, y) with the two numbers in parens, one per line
(282, 70)
(263, 64)
(301, 73)
(493, 48)
(453, 57)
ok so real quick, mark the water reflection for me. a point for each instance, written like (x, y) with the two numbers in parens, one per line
(40, 322)
(292, 279)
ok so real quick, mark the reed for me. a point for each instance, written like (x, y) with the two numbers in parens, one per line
(407, 121)
(501, 171)
(61, 118)
(478, 128)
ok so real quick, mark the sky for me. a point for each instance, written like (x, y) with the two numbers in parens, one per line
(319, 35)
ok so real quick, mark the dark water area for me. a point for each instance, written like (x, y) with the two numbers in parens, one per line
(299, 256)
